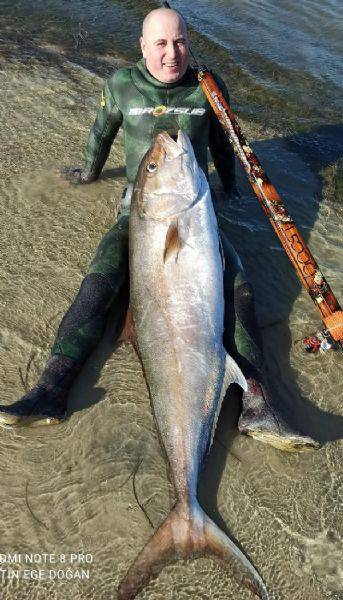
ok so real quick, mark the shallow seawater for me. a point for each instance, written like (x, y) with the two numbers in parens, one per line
(77, 488)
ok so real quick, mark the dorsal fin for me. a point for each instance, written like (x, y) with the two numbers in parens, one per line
(232, 374)
(222, 253)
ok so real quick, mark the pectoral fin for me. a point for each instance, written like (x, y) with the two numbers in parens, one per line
(173, 242)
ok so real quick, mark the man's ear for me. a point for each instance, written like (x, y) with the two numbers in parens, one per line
(142, 43)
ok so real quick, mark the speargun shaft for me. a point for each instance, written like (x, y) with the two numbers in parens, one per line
(292, 241)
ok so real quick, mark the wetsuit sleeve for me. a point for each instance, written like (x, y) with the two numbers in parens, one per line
(108, 120)
(220, 147)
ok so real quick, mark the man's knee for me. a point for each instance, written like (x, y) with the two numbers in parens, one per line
(93, 299)
(83, 324)
(244, 295)
(246, 315)
(111, 259)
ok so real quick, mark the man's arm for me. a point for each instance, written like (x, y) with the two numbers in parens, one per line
(220, 147)
(108, 120)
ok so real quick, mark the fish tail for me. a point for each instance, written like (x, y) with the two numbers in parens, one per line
(159, 551)
(221, 547)
(188, 532)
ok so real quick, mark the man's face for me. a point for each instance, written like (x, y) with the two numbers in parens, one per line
(165, 47)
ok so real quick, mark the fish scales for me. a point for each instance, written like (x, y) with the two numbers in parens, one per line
(178, 316)
(177, 304)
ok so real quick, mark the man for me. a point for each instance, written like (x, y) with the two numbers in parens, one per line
(160, 92)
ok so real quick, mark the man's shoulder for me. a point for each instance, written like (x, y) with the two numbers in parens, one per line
(119, 78)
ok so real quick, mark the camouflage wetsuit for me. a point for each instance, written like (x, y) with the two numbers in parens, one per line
(143, 106)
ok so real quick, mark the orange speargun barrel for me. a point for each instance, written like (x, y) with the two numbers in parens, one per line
(292, 241)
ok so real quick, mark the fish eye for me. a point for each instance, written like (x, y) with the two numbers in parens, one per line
(151, 167)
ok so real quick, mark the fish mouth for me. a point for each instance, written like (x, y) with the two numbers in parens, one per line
(172, 148)
(169, 179)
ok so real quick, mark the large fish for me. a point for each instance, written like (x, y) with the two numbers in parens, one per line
(177, 303)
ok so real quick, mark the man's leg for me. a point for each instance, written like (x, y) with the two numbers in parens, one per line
(259, 418)
(80, 330)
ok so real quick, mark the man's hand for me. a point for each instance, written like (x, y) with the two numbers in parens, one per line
(76, 175)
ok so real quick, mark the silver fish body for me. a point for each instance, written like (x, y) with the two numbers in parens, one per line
(177, 303)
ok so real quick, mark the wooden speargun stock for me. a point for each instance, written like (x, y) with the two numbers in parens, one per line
(293, 243)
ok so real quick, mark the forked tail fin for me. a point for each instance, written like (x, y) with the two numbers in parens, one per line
(188, 532)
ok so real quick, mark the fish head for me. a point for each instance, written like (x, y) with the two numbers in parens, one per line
(169, 178)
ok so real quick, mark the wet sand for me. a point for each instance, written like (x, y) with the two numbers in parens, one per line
(79, 487)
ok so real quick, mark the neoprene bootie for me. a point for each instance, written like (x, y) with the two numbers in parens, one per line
(46, 403)
(260, 420)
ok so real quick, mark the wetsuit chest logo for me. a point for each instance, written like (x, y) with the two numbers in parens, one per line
(157, 111)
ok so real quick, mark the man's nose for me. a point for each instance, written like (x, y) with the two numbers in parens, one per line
(171, 50)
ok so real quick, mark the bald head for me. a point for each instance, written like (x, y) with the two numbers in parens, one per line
(156, 17)
(165, 44)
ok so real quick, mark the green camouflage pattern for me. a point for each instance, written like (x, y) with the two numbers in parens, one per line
(144, 106)
(112, 261)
